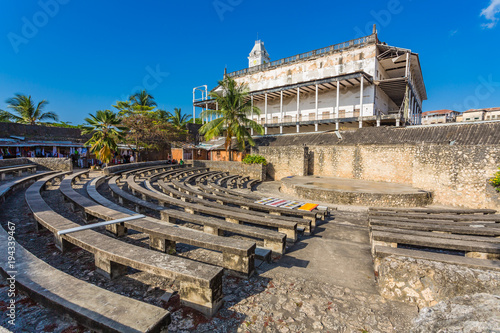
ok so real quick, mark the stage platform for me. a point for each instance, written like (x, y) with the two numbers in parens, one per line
(342, 191)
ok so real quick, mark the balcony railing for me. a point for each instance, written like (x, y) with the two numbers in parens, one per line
(303, 56)
(305, 118)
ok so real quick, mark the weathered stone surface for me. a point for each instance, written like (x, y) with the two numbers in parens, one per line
(254, 171)
(52, 163)
(468, 314)
(427, 282)
(284, 162)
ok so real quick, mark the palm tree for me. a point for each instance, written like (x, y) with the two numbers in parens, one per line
(234, 107)
(142, 101)
(5, 116)
(26, 112)
(107, 132)
(178, 119)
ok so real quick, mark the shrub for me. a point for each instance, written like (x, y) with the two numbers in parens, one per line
(495, 181)
(254, 159)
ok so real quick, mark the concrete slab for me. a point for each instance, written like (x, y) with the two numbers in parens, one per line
(338, 253)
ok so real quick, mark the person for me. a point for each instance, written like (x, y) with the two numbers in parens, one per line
(181, 162)
(132, 159)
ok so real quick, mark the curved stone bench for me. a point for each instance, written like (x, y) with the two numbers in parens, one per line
(94, 307)
(5, 189)
(200, 284)
(238, 255)
(188, 194)
(222, 192)
(274, 241)
(18, 170)
(289, 228)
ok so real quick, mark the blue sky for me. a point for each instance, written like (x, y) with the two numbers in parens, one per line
(83, 56)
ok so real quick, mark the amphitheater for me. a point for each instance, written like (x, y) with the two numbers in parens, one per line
(405, 238)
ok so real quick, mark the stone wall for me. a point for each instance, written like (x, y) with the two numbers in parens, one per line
(284, 161)
(457, 175)
(44, 163)
(129, 166)
(426, 282)
(254, 171)
(52, 163)
(13, 161)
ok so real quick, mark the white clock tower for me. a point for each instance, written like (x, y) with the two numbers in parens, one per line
(259, 55)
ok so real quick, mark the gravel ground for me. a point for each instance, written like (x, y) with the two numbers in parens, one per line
(274, 303)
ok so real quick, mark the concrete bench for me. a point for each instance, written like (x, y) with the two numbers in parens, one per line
(250, 204)
(252, 183)
(241, 181)
(380, 252)
(17, 170)
(472, 249)
(188, 194)
(472, 228)
(226, 180)
(289, 228)
(432, 210)
(238, 255)
(200, 284)
(11, 186)
(96, 308)
(146, 170)
(449, 217)
(273, 240)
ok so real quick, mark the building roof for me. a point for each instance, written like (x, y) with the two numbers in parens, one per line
(430, 113)
(483, 110)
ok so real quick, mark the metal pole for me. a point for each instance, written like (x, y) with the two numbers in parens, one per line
(100, 224)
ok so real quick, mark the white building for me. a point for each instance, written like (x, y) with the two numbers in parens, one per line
(361, 82)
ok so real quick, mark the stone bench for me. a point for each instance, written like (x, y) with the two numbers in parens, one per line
(471, 228)
(238, 255)
(17, 170)
(96, 308)
(472, 249)
(187, 194)
(200, 284)
(11, 186)
(432, 210)
(146, 170)
(198, 177)
(273, 240)
(250, 204)
(227, 180)
(449, 217)
(241, 181)
(289, 228)
(381, 252)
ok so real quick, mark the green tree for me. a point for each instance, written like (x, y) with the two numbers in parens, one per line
(107, 131)
(142, 101)
(232, 116)
(178, 119)
(5, 116)
(124, 108)
(26, 112)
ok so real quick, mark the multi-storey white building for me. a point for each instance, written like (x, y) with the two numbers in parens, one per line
(356, 83)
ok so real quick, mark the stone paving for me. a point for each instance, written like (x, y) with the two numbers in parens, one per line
(323, 283)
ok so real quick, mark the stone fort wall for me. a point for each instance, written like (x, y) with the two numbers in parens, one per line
(454, 162)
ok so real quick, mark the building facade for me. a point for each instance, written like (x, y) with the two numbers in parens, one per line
(439, 117)
(486, 114)
(361, 82)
